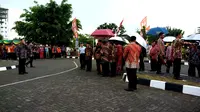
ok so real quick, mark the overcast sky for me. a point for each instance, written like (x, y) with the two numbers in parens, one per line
(182, 14)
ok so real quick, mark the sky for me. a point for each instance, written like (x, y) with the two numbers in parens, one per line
(181, 14)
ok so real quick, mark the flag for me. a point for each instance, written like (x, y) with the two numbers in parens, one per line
(74, 28)
(120, 26)
(148, 28)
(143, 22)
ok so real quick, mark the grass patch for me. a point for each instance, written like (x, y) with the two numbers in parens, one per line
(168, 79)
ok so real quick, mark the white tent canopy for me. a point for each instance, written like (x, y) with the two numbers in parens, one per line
(169, 39)
(192, 37)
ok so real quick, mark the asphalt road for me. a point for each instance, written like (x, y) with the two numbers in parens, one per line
(58, 86)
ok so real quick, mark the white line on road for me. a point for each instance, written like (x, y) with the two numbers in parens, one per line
(50, 75)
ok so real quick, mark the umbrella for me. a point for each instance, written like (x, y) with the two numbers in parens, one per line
(103, 33)
(16, 41)
(6, 41)
(140, 40)
(192, 37)
(120, 40)
(157, 30)
(169, 39)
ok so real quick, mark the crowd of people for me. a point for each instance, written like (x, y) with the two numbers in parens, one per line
(111, 58)
(26, 52)
(173, 56)
(8, 52)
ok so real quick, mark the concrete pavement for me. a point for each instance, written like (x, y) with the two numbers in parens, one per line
(80, 91)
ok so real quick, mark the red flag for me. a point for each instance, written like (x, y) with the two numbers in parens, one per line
(143, 22)
(148, 28)
(74, 28)
(120, 26)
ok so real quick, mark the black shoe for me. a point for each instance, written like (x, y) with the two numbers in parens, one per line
(129, 90)
(21, 73)
(25, 72)
(32, 66)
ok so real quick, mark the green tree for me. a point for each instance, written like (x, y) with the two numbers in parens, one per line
(174, 31)
(50, 23)
(1, 37)
(84, 38)
(113, 27)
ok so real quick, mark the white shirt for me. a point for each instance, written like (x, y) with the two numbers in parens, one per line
(82, 50)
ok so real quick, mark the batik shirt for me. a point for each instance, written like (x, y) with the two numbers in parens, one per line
(131, 55)
(177, 48)
(88, 53)
(105, 53)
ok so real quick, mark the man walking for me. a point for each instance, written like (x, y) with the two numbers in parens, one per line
(131, 55)
(82, 56)
(22, 55)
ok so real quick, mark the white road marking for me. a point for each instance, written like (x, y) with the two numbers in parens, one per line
(50, 75)
(3, 69)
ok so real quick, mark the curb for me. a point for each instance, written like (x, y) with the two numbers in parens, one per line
(185, 89)
(74, 57)
(8, 68)
(182, 62)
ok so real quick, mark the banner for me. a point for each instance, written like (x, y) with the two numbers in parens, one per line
(74, 28)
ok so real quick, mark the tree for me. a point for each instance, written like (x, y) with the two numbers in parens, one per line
(174, 31)
(113, 27)
(1, 37)
(84, 38)
(50, 23)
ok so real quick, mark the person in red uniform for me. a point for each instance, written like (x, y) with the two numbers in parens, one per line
(41, 52)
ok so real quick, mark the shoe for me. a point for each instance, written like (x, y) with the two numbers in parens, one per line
(21, 73)
(32, 66)
(129, 90)
(25, 72)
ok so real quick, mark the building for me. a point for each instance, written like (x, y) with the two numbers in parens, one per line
(4, 22)
(198, 30)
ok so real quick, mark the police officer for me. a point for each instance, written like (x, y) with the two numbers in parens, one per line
(22, 56)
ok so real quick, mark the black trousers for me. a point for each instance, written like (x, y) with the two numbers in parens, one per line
(88, 64)
(30, 61)
(98, 62)
(153, 65)
(82, 61)
(132, 78)
(64, 54)
(141, 64)
(21, 67)
(169, 64)
(192, 70)
(105, 68)
(177, 68)
(159, 65)
(113, 68)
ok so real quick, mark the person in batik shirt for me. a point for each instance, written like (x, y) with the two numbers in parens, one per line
(113, 59)
(88, 57)
(131, 55)
(177, 55)
(161, 52)
(105, 54)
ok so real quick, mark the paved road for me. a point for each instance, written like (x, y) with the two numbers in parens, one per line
(80, 91)
(5, 63)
